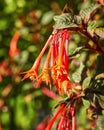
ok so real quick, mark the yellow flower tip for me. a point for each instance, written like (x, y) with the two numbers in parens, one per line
(61, 79)
(44, 77)
(76, 86)
(64, 86)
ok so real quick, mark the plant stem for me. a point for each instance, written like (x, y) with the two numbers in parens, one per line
(84, 31)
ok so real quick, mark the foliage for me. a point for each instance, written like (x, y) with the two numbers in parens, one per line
(68, 72)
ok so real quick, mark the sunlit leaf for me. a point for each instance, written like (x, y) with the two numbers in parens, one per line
(64, 20)
(47, 18)
(86, 82)
(78, 19)
(92, 25)
(86, 13)
(100, 122)
(86, 103)
(99, 76)
(76, 76)
(99, 32)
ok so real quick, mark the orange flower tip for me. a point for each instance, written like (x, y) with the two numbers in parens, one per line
(13, 53)
(29, 74)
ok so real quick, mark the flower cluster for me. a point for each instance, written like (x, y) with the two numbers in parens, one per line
(56, 64)
(67, 118)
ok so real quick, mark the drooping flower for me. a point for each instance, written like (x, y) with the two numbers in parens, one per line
(55, 117)
(64, 122)
(66, 117)
(59, 71)
(44, 76)
(13, 45)
(56, 62)
(33, 72)
(61, 79)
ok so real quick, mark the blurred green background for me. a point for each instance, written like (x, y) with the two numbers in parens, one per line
(22, 107)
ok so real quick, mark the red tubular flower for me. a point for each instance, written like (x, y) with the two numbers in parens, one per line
(61, 79)
(59, 72)
(13, 45)
(54, 51)
(59, 63)
(72, 112)
(56, 115)
(43, 124)
(44, 76)
(33, 72)
(65, 56)
(64, 121)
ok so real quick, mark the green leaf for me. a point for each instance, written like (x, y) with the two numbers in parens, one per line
(76, 51)
(92, 26)
(100, 64)
(76, 76)
(64, 20)
(86, 103)
(99, 32)
(78, 19)
(99, 76)
(86, 82)
(100, 122)
(97, 86)
(86, 13)
(47, 17)
(101, 100)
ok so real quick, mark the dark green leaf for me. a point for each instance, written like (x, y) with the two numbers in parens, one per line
(86, 13)
(100, 64)
(97, 86)
(101, 100)
(64, 20)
